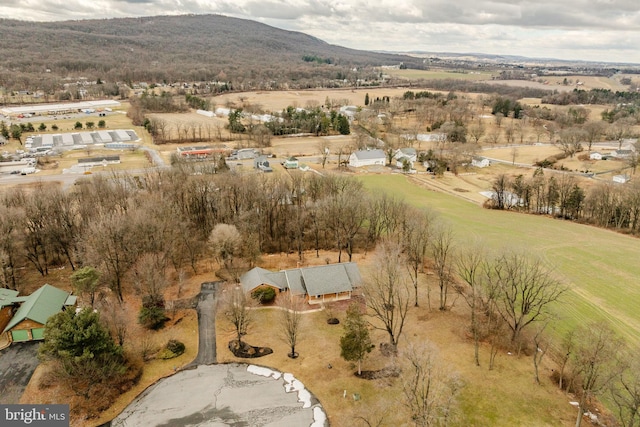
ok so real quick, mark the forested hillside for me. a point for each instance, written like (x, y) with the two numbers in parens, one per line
(174, 48)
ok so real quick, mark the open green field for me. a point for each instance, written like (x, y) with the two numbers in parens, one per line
(601, 267)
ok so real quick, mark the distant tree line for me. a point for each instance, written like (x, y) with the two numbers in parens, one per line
(607, 204)
(592, 96)
(292, 120)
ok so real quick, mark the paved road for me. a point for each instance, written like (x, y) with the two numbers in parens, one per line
(206, 325)
(17, 363)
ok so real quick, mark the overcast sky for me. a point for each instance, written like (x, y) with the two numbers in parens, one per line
(597, 30)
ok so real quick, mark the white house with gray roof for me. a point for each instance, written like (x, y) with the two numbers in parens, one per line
(322, 283)
(362, 158)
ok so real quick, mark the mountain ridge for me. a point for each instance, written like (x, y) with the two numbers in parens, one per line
(184, 47)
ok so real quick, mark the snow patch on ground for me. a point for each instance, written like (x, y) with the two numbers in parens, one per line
(265, 372)
(292, 384)
(319, 417)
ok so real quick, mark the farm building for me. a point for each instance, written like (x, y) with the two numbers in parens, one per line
(596, 156)
(70, 140)
(622, 154)
(362, 158)
(195, 152)
(54, 109)
(99, 161)
(323, 283)
(246, 153)
(621, 179)
(480, 162)
(206, 113)
(29, 314)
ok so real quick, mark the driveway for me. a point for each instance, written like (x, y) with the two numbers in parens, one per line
(17, 363)
(206, 325)
(224, 395)
(208, 394)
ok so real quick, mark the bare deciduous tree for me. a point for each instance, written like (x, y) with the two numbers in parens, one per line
(526, 290)
(291, 321)
(472, 267)
(10, 251)
(595, 361)
(115, 317)
(625, 392)
(111, 242)
(235, 308)
(540, 347)
(442, 251)
(415, 239)
(429, 389)
(225, 241)
(149, 276)
(387, 291)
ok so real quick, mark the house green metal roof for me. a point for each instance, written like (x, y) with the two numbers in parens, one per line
(39, 306)
(7, 296)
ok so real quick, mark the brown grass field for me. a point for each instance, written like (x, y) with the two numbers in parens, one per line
(277, 101)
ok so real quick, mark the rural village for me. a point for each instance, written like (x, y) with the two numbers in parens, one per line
(449, 246)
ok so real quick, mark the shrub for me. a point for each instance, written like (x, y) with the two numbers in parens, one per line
(152, 317)
(174, 348)
(264, 295)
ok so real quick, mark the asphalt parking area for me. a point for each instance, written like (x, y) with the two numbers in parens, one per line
(17, 364)
(224, 395)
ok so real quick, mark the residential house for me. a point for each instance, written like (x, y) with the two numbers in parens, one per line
(595, 156)
(318, 284)
(362, 158)
(33, 311)
(7, 297)
(262, 163)
(290, 163)
(408, 152)
(480, 162)
(405, 156)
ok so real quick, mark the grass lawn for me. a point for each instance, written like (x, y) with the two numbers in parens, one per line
(493, 398)
(599, 266)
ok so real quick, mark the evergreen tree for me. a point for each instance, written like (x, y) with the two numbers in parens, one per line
(356, 342)
(86, 281)
(366, 99)
(343, 125)
(82, 345)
